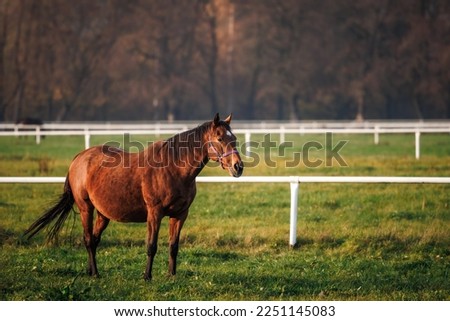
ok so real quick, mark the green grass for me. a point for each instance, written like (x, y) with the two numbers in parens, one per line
(355, 241)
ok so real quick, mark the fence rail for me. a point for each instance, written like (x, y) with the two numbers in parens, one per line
(416, 128)
(263, 124)
(294, 182)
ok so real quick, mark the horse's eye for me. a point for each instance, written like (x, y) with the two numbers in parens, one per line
(219, 139)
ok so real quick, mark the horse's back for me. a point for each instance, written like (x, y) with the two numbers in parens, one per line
(101, 157)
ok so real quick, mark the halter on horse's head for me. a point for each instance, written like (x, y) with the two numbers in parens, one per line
(222, 146)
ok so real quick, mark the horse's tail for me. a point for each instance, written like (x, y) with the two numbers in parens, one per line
(59, 212)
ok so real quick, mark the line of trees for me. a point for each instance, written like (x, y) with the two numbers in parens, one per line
(260, 59)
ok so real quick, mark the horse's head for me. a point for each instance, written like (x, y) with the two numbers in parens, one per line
(222, 146)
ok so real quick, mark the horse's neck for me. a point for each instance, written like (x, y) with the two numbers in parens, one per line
(193, 162)
(185, 165)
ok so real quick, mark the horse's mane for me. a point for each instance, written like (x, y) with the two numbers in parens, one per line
(182, 144)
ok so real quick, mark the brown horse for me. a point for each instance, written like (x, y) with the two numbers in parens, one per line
(141, 187)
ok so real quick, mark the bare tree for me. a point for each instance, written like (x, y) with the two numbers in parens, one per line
(290, 59)
(4, 16)
(167, 52)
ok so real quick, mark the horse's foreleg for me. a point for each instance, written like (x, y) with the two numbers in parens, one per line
(153, 224)
(175, 226)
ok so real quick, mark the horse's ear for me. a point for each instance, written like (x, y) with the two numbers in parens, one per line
(216, 119)
(228, 119)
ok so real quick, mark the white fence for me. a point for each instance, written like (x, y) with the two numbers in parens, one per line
(292, 180)
(263, 124)
(247, 129)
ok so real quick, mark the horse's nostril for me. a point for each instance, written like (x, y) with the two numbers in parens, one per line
(238, 167)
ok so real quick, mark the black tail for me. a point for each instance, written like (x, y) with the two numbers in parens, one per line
(59, 212)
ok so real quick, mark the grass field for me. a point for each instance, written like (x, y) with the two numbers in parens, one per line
(355, 241)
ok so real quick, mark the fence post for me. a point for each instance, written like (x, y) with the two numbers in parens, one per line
(376, 135)
(293, 217)
(38, 135)
(158, 130)
(247, 143)
(282, 134)
(417, 144)
(87, 138)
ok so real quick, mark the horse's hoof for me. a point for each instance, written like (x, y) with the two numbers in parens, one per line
(147, 278)
(92, 274)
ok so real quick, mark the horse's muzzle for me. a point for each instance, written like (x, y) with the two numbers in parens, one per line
(237, 169)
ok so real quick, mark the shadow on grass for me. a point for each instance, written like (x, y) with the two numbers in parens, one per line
(6, 236)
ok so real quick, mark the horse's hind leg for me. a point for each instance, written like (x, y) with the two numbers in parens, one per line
(91, 236)
(101, 223)
(93, 240)
(87, 219)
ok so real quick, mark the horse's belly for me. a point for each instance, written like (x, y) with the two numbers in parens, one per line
(121, 211)
(121, 202)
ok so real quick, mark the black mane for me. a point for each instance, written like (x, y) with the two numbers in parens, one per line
(182, 144)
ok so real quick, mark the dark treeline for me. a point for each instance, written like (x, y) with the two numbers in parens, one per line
(260, 59)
